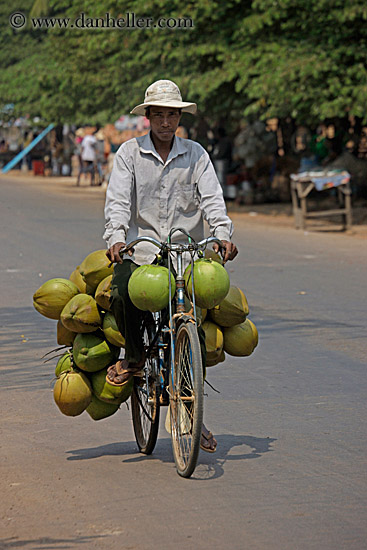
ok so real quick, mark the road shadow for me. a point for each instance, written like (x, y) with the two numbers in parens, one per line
(210, 465)
(290, 320)
(111, 449)
(230, 448)
(47, 543)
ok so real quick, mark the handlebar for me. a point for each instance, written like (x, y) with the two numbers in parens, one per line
(172, 247)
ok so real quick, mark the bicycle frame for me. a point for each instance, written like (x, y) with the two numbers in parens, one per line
(174, 318)
(173, 371)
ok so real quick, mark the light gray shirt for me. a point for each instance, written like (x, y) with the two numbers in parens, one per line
(147, 197)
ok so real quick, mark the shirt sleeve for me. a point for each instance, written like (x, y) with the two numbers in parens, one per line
(211, 199)
(118, 200)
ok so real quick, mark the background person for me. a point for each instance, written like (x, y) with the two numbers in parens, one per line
(100, 156)
(88, 154)
(222, 156)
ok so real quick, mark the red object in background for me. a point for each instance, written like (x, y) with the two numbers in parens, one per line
(38, 167)
(232, 179)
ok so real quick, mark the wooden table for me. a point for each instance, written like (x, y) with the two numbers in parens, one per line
(301, 186)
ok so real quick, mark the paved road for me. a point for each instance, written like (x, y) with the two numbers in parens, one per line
(290, 470)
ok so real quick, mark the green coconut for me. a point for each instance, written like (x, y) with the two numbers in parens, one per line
(65, 337)
(103, 293)
(219, 359)
(94, 268)
(72, 393)
(233, 310)
(98, 409)
(51, 298)
(108, 392)
(211, 283)
(111, 330)
(65, 363)
(149, 287)
(81, 314)
(91, 352)
(77, 279)
(240, 340)
(255, 333)
(213, 342)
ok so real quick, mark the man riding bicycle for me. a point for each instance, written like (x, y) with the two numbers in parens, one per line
(158, 181)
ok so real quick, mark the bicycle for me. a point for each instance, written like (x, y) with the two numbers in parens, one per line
(173, 373)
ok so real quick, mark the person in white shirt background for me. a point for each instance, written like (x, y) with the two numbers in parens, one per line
(89, 156)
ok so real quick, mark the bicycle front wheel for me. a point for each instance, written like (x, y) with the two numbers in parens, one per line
(186, 399)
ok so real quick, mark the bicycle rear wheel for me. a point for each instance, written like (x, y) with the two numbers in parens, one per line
(145, 405)
(186, 399)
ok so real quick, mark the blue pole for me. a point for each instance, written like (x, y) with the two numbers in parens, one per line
(14, 161)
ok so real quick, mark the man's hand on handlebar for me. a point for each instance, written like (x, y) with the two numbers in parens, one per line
(113, 253)
(228, 251)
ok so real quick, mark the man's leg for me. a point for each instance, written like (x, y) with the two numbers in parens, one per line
(208, 442)
(201, 335)
(128, 317)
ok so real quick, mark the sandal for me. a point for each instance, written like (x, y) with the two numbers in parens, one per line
(206, 440)
(123, 371)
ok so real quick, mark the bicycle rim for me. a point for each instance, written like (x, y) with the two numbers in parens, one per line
(186, 399)
(145, 406)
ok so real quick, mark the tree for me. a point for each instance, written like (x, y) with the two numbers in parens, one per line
(308, 59)
(260, 58)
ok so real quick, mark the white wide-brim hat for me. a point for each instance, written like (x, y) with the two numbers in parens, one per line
(164, 93)
(100, 135)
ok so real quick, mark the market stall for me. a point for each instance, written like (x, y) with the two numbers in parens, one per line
(304, 183)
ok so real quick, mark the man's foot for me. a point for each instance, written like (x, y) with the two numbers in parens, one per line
(208, 442)
(122, 371)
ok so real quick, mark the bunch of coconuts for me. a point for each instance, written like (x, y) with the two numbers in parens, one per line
(224, 312)
(87, 327)
(222, 309)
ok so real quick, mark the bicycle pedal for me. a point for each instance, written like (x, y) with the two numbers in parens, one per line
(139, 374)
(163, 400)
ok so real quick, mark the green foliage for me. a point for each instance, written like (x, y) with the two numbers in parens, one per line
(303, 58)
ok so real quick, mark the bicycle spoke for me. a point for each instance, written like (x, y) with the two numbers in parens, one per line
(145, 401)
(144, 409)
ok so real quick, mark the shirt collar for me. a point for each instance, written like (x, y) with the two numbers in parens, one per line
(179, 147)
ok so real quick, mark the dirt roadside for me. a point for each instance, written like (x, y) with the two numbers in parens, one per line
(272, 214)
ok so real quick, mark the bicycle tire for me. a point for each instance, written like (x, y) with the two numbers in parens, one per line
(145, 406)
(186, 399)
